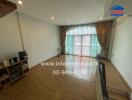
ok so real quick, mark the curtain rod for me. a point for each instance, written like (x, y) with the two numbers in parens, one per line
(101, 21)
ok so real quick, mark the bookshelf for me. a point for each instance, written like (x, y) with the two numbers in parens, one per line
(12, 73)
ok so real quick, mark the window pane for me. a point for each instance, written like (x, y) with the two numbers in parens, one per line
(85, 50)
(77, 50)
(79, 30)
(95, 50)
(94, 40)
(77, 40)
(86, 40)
(69, 44)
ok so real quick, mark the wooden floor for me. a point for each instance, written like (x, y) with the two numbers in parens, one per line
(41, 84)
(114, 79)
(71, 83)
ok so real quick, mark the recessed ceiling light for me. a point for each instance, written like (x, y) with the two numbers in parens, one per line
(20, 2)
(52, 18)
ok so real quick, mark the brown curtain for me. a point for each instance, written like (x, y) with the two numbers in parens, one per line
(62, 38)
(104, 30)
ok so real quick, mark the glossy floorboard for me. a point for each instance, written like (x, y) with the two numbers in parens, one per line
(61, 82)
(41, 84)
(114, 80)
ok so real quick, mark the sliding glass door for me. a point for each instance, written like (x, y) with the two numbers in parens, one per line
(77, 45)
(82, 41)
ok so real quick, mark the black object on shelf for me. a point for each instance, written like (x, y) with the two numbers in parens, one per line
(23, 55)
(2, 72)
(15, 59)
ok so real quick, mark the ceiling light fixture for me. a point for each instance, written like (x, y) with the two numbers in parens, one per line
(20, 2)
(52, 18)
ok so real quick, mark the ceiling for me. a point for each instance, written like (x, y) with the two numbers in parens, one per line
(70, 12)
(66, 12)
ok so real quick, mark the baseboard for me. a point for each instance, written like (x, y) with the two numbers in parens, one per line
(31, 68)
(130, 90)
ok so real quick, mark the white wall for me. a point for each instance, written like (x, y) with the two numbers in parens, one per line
(122, 48)
(10, 41)
(41, 39)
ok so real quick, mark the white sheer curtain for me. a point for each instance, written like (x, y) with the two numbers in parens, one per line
(82, 41)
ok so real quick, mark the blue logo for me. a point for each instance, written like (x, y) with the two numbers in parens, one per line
(117, 10)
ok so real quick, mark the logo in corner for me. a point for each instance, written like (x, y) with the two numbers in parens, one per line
(117, 10)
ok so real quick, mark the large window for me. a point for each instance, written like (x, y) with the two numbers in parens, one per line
(82, 41)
